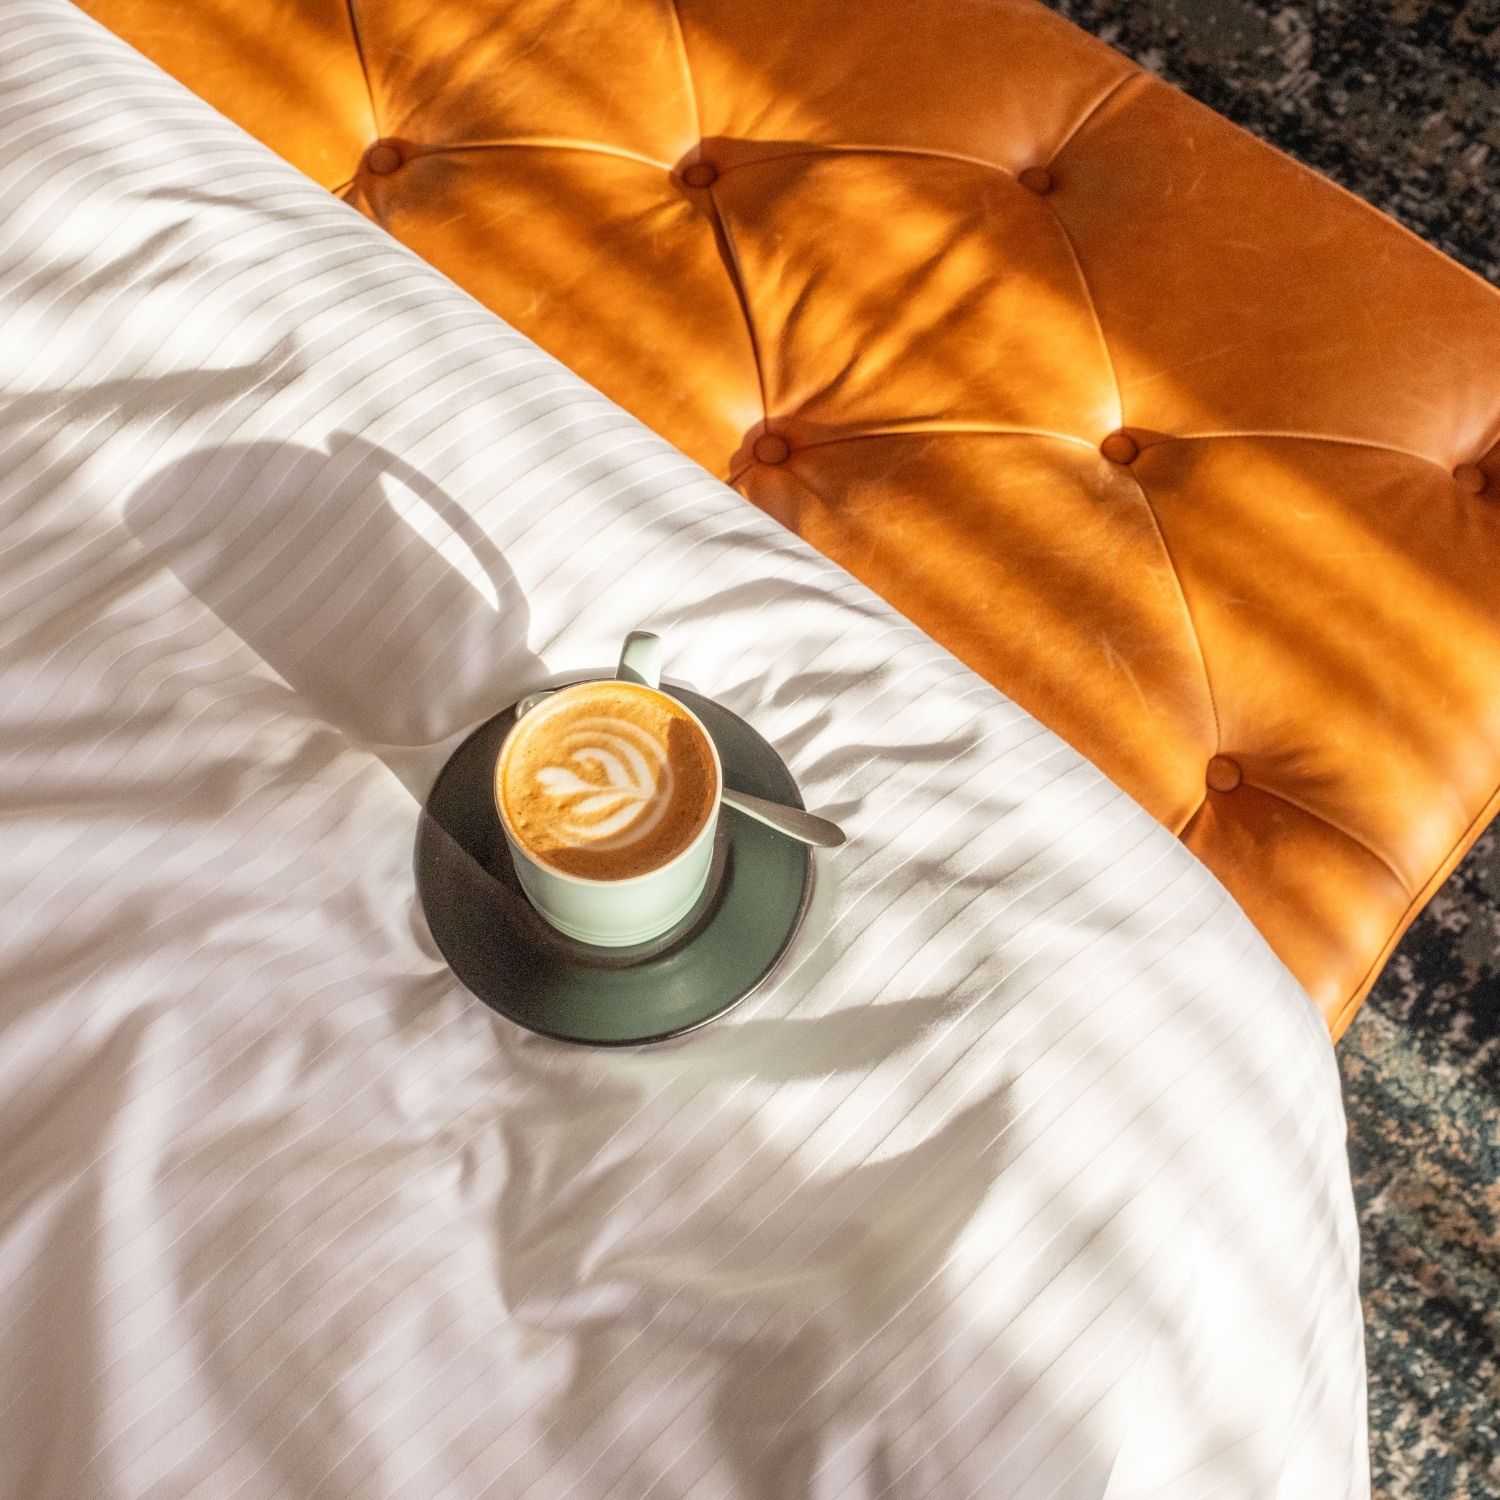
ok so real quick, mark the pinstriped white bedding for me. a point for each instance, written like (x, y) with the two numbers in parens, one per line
(1024, 1178)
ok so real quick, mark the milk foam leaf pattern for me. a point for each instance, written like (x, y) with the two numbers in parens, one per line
(616, 785)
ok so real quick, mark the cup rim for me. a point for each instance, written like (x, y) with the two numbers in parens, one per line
(518, 845)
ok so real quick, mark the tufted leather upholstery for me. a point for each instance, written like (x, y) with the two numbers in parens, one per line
(1189, 452)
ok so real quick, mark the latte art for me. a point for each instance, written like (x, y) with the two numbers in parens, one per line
(615, 786)
(607, 780)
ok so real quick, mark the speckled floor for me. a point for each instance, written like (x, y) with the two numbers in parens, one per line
(1399, 100)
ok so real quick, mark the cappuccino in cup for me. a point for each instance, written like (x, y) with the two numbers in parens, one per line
(607, 781)
(608, 796)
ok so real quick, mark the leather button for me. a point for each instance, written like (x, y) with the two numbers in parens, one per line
(1224, 774)
(1471, 479)
(1120, 448)
(771, 448)
(700, 174)
(1036, 180)
(383, 158)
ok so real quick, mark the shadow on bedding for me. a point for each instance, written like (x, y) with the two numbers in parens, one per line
(379, 601)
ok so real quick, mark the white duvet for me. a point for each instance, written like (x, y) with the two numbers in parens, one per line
(1023, 1178)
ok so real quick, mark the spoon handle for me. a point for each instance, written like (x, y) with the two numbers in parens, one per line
(792, 821)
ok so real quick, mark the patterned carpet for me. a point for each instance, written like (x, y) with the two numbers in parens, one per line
(1399, 100)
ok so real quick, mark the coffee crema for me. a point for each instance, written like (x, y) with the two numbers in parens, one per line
(606, 780)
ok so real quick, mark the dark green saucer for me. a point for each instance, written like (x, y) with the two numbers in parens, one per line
(512, 960)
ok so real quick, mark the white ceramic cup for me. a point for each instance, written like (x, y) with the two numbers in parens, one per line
(634, 908)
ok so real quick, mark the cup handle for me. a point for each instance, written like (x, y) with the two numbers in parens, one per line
(640, 659)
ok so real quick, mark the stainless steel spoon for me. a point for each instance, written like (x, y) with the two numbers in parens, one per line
(794, 822)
